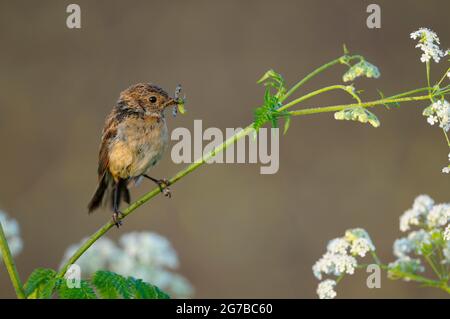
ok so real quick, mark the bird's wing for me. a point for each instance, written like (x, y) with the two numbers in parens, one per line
(109, 133)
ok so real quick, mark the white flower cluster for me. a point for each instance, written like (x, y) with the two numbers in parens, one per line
(325, 290)
(417, 214)
(447, 233)
(144, 255)
(438, 112)
(431, 218)
(425, 213)
(408, 265)
(12, 233)
(340, 259)
(429, 44)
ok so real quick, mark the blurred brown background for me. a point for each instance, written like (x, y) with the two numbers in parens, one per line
(238, 233)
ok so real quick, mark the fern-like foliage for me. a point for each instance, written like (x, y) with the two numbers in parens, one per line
(268, 112)
(85, 290)
(40, 284)
(111, 285)
(44, 283)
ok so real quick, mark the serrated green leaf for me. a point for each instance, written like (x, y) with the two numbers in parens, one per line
(143, 290)
(84, 292)
(40, 283)
(110, 284)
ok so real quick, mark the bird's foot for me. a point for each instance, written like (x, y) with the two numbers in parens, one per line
(116, 217)
(164, 187)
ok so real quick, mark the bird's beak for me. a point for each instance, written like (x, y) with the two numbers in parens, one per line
(170, 102)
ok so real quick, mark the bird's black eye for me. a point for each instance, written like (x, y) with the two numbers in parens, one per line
(152, 99)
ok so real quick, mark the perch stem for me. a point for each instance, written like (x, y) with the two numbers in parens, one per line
(10, 265)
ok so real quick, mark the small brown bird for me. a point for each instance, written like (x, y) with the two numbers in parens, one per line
(134, 139)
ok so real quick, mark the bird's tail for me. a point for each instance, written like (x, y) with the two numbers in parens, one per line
(107, 185)
(102, 187)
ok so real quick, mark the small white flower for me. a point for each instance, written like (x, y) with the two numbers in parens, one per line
(12, 233)
(446, 170)
(416, 215)
(439, 215)
(423, 204)
(150, 248)
(361, 246)
(325, 289)
(432, 119)
(360, 241)
(406, 264)
(438, 112)
(447, 233)
(338, 246)
(402, 247)
(409, 218)
(429, 44)
(334, 264)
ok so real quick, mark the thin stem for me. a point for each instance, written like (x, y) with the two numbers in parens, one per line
(310, 76)
(317, 71)
(335, 108)
(10, 265)
(420, 279)
(442, 79)
(433, 266)
(409, 93)
(197, 163)
(428, 75)
(317, 92)
(446, 137)
(375, 258)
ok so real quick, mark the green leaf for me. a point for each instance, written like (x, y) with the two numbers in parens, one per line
(85, 290)
(111, 285)
(359, 114)
(274, 92)
(40, 283)
(143, 290)
(287, 124)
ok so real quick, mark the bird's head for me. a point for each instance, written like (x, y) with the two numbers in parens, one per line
(145, 98)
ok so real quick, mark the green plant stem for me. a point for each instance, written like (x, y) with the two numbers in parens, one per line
(99, 233)
(442, 79)
(433, 266)
(342, 59)
(422, 280)
(317, 92)
(10, 265)
(335, 108)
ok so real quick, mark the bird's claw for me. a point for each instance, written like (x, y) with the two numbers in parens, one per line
(164, 187)
(117, 215)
